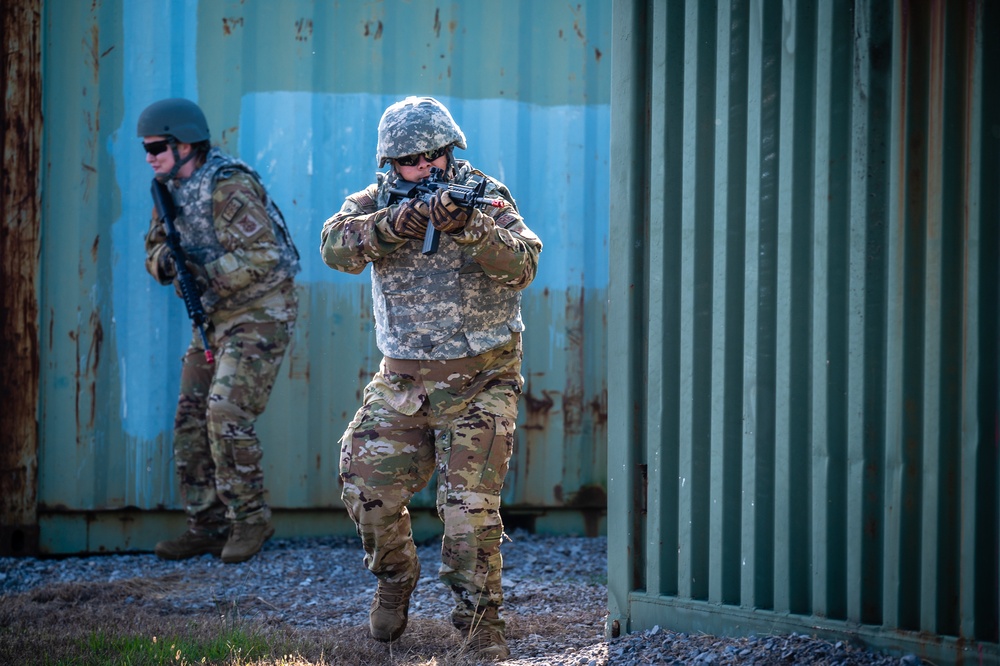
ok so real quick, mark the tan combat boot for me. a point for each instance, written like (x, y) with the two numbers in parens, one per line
(484, 632)
(390, 609)
(488, 642)
(245, 540)
(190, 544)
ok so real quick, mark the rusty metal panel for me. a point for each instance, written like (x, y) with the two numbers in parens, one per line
(20, 233)
(806, 354)
(296, 89)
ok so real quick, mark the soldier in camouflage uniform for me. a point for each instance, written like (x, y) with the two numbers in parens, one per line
(238, 247)
(445, 397)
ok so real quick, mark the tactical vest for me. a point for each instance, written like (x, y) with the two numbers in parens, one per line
(196, 225)
(439, 306)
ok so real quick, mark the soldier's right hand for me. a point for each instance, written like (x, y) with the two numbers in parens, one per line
(409, 219)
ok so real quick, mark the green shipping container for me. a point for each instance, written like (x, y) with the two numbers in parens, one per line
(805, 204)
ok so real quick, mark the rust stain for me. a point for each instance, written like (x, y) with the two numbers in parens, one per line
(86, 381)
(93, 248)
(231, 23)
(19, 245)
(538, 410)
(599, 409)
(592, 502)
(94, 50)
(303, 29)
(590, 496)
(229, 135)
(597, 54)
(377, 33)
(96, 342)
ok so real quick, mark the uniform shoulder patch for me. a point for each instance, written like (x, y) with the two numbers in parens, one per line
(233, 207)
(248, 226)
(239, 215)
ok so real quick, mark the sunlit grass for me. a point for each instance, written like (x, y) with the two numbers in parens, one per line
(100, 648)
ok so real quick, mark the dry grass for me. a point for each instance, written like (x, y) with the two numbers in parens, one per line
(121, 623)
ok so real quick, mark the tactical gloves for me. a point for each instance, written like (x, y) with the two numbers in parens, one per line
(447, 216)
(159, 261)
(160, 264)
(409, 219)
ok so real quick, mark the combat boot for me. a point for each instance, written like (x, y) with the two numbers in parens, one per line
(191, 544)
(245, 540)
(488, 642)
(390, 609)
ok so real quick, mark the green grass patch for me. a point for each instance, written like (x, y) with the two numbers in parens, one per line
(233, 645)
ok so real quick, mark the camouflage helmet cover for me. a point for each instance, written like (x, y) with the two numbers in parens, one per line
(415, 125)
(176, 117)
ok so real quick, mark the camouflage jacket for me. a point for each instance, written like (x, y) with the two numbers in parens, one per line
(229, 226)
(461, 301)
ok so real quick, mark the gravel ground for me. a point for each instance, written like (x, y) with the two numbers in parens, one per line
(312, 584)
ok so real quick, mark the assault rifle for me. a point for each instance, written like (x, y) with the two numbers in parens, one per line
(189, 287)
(463, 195)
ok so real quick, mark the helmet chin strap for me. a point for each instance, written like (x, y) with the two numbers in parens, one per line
(449, 168)
(178, 163)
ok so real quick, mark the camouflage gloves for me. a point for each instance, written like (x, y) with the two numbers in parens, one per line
(447, 216)
(159, 261)
(409, 219)
(160, 264)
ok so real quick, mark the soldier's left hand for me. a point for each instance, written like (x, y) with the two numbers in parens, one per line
(446, 215)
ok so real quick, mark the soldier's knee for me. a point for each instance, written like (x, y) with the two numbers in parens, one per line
(469, 513)
(229, 421)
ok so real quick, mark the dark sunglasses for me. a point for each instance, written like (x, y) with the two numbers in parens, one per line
(429, 155)
(156, 147)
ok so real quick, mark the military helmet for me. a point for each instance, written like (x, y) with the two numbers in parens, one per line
(176, 117)
(415, 125)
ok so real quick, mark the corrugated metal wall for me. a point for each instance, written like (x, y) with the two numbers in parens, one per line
(19, 244)
(296, 88)
(806, 200)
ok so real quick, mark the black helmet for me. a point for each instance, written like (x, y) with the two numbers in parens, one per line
(176, 117)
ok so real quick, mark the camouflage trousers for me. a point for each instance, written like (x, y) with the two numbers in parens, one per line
(216, 450)
(387, 456)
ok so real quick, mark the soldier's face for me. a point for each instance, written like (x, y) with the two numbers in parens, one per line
(160, 156)
(421, 169)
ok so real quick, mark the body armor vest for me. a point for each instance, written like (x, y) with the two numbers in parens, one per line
(196, 225)
(439, 306)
